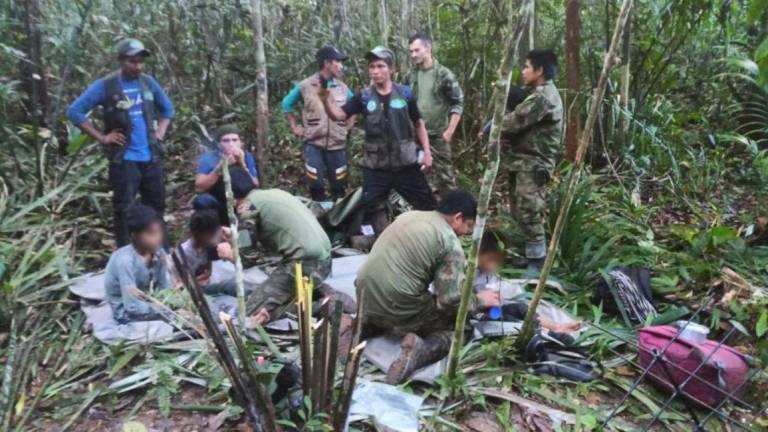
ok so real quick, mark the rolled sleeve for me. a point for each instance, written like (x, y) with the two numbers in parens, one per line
(163, 102)
(454, 95)
(449, 280)
(290, 99)
(92, 97)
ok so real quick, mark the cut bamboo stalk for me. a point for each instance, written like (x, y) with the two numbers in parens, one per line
(235, 243)
(318, 363)
(526, 332)
(348, 387)
(268, 415)
(331, 354)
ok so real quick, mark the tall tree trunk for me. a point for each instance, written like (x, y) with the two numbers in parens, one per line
(262, 103)
(405, 33)
(572, 76)
(514, 32)
(384, 22)
(32, 76)
(341, 26)
(625, 78)
(586, 136)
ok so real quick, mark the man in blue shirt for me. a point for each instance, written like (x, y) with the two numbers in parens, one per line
(136, 115)
(325, 140)
(209, 183)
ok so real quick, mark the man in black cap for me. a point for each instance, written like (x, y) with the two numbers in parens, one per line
(325, 140)
(136, 114)
(393, 126)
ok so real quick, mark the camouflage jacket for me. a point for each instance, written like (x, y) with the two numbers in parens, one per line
(447, 93)
(417, 250)
(532, 133)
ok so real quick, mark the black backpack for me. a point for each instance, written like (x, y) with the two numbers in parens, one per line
(626, 292)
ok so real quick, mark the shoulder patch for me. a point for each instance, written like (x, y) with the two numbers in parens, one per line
(371, 106)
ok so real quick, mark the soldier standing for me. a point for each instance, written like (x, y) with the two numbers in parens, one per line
(441, 103)
(532, 135)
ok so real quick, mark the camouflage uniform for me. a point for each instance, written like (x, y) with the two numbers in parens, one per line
(441, 97)
(532, 133)
(419, 248)
(284, 227)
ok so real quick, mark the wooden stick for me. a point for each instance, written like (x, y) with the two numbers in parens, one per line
(331, 353)
(222, 350)
(268, 416)
(318, 363)
(348, 387)
(526, 332)
(499, 98)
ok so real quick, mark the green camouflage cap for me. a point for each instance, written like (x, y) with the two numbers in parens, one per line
(381, 53)
(130, 48)
(226, 130)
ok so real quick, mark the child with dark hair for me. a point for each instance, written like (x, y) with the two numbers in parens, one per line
(201, 250)
(489, 262)
(141, 265)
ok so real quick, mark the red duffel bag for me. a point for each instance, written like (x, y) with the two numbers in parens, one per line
(724, 372)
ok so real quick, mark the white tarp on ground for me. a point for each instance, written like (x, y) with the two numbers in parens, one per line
(98, 313)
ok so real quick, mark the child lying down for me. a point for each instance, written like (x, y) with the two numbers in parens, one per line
(490, 259)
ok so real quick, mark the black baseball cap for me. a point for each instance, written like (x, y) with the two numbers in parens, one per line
(329, 53)
(381, 53)
(130, 48)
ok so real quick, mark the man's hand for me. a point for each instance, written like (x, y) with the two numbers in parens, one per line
(298, 131)
(489, 298)
(114, 137)
(224, 250)
(448, 135)
(160, 133)
(226, 234)
(261, 317)
(427, 160)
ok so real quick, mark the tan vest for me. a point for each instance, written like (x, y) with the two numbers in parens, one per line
(319, 129)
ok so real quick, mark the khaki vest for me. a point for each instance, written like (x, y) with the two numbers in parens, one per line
(319, 129)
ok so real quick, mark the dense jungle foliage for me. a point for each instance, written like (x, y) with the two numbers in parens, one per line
(677, 178)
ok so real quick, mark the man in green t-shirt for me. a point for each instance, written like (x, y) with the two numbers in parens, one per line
(441, 103)
(419, 248)
(285, 227)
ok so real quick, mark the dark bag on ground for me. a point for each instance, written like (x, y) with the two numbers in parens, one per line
(556, 354)
(626, 292)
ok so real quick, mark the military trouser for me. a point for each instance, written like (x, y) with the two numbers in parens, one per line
(441, 175)
(528, 198)
(431, 322)
(279, 290)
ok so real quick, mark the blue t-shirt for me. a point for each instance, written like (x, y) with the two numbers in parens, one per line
(210, 159)
(96, 94)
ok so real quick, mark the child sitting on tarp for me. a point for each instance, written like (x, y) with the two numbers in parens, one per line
(489, 261)
(202, 249)
(140, 265)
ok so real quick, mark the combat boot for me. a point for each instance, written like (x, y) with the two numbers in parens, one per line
(534, 266)
(416, 353)
(535, 252)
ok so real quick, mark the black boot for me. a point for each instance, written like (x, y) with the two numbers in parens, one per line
(416, 353)
(534, 266)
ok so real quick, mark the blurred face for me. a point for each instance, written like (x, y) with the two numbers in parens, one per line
(229, 142)
(379, 71)
(489, 262)
(531, 75)
(206, 239)
(461, 226)
(333, 68)
(420, 52)
(132, 67)
(151, 239)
